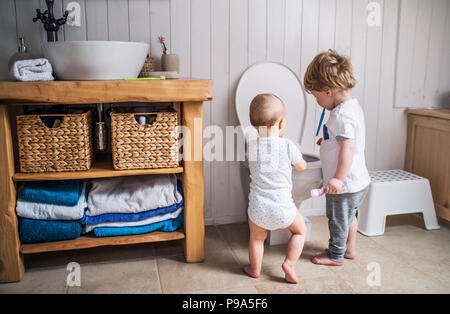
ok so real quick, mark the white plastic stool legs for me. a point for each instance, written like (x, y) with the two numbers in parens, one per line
(429, 212)
(395, 192)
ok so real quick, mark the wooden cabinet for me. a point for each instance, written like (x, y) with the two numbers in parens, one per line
(428, 153)
(187, 97)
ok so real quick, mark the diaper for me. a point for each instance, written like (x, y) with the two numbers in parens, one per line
(270, 218)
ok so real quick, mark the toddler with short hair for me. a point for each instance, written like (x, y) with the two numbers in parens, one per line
(330, 79)
(271, 207)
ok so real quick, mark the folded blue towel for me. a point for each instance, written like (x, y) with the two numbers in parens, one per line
(65, 192)
(119, 217)
(33, 230)
(166, 226)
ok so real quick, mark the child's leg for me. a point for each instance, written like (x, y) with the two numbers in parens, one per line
(341, 213)
(255, 249)
(351, 240)
(295, 247)
(337, 207)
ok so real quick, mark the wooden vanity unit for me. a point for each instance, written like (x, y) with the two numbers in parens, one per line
(428, 153)
(187, 95)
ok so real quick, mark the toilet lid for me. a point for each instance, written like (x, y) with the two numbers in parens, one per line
(277, 79)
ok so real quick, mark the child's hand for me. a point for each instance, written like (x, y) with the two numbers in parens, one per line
(334, 186)
(319, 141)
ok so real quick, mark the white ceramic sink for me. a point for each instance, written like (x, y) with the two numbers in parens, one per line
(96, 60)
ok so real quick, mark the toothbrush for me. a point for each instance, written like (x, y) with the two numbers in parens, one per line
(321, 121)
(317, 192)
(320, 192)
(162, 41)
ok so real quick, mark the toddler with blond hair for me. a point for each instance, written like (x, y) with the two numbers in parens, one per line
(330, 79)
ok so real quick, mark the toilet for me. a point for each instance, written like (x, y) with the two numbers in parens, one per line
(277, 79)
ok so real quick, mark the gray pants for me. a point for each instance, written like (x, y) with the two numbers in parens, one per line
(341, 210)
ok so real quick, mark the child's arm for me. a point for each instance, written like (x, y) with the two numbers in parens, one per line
(345, 159)
(296, 157)
(301, 165)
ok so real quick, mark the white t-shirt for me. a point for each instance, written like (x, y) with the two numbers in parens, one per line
(346, 121)
(271, 205)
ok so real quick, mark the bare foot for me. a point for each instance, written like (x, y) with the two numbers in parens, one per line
(249, 272)
(323, 259)
(348, 255)
(290, 276)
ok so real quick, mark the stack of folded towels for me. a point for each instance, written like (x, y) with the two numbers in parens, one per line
(50, 210)
(134, 205)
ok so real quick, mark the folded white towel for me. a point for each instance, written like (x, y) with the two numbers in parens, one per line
(144, 222)
(52, 212)
(32, 70)
(129, 195)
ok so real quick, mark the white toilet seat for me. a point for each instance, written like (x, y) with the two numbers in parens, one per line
(277, 79)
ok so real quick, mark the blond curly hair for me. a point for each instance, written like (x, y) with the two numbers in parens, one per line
(329, 70)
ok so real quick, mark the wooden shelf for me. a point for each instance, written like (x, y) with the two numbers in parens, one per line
(89, 241)
(100, 169)
(91, 92)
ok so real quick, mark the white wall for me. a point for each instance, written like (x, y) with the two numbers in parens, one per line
(404, 63)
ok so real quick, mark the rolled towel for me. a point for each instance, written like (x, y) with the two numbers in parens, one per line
(66, 193)
(165, 226)
(44, 211)
(33, 231)
(32, 70)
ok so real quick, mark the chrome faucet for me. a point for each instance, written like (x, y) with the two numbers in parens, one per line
(51, 24)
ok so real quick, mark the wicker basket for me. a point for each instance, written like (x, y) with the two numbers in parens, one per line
(154, 145)
(149, 66)
(67, 147)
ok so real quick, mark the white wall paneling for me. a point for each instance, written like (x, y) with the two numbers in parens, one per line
(26, 28)
(439, 36)
(201, 67)
(257, 31)
(118, 20)
(139, 14)
(8, 34)
(96, 19)
(73, 33)
(220, 57)
(275, 30)
(402, 63)
(309, 48)
(370, 102)
(238, 49)
(388, 124)
(159, 26)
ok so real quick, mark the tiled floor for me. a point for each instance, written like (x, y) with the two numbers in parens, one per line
(409, 259)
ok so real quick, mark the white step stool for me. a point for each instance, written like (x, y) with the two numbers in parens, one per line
(395, 192)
